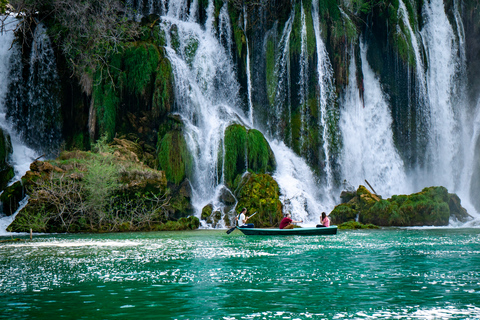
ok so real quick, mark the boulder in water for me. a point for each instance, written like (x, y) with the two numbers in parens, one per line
(432, 206)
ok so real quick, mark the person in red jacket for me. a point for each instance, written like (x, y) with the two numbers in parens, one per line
(287, 222)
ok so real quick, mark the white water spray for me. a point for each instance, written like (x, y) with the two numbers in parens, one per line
(325, 95)
(249, 75)
(303, 84)
(369, 152)
(282, 95)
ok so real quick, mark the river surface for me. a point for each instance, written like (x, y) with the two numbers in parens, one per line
(207, 274)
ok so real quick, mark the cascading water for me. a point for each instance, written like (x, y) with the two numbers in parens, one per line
(207, 99)
(441, 49)
(282, 94)
(21, 156)
(326, 94)
(249, 74)
(303, 84)
(33, 104)
(369, 152)
(10, 55)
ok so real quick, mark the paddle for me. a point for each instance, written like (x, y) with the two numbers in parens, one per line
(232, 229)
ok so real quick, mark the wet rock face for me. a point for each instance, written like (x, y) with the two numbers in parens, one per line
(6, 170)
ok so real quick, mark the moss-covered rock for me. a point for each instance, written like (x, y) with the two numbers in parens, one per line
(242, 145)
(356, 225)
(174, 157)
(431, 206)
(260, 193)
(185, 223)
(103, 191)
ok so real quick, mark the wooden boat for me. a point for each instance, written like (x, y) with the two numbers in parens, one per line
(290, 232)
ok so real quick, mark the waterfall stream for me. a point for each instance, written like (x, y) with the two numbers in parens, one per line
(369, 152)
(22, 155)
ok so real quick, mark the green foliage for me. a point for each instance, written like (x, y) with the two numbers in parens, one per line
(261, 194)
(36, 220)
(3, 6)
(101, 181)
(95, 192)
(174, 157)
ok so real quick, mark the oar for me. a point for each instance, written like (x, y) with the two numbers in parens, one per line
(232, 229)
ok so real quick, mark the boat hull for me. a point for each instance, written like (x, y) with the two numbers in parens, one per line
(289, 232)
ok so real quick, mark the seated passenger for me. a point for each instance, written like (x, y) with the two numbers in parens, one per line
(287, 222)
(324, 220)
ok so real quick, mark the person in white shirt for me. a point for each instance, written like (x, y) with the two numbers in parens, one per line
(242, 220)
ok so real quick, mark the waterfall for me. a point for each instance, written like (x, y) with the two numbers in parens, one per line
(369, 152)
(249, 75)
(325, 96)
(10, 55)
(207, 96)
(33, 103)
(419, 66)
(303, 85)
(445, 105)
(22, 156)
(282, 93)
(207, 99)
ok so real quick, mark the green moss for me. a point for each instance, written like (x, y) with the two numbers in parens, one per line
(260, 157)
(174, 157)
(140, 65)
(356, 225)
(191, 49)
(106, 102)
(343, 212)
(431, 206)
(238, 34)
(272, 80)
(261, 194)
(190, 223)
(240, 146)
(235, 143)
(163, 93)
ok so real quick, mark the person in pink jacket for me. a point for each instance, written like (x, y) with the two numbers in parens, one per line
(324, 220)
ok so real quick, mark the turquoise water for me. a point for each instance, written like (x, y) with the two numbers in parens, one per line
(375, 274)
